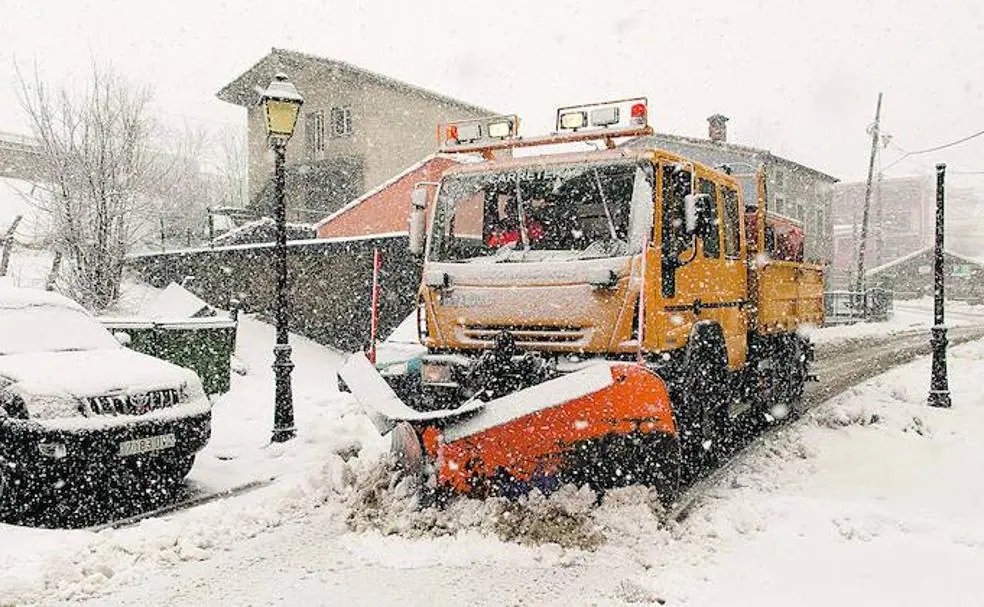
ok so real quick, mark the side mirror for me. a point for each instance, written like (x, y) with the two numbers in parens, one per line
(417, 228)
(123, 337)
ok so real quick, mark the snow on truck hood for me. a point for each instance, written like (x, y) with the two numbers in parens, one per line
(93, 372)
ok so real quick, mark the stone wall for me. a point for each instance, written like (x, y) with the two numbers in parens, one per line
(330, 283)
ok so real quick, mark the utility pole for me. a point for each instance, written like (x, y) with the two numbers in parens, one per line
(867, 200)
(879, 222)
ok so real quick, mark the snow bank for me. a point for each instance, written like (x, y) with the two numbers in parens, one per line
(908, 315)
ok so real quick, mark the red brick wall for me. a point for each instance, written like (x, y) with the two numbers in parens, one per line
(385, 211)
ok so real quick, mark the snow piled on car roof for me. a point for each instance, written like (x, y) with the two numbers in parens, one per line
(13, 297)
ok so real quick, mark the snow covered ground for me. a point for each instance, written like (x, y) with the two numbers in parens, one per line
(908, 315)
(872, 497)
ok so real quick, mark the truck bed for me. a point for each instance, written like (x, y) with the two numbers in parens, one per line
(787, 294)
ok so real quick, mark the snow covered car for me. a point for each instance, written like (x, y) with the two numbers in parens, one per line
(76, 405)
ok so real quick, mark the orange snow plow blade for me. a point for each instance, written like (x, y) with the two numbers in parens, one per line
(596, 421)
(548, 445)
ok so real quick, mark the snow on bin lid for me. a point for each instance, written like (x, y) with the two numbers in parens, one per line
(176, 302)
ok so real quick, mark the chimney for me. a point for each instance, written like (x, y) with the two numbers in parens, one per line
(717, 129)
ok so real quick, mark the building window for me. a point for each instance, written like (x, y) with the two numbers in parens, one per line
(780, 179)
(779, 204)
(796, 211)
(314, 132)
(341, 121)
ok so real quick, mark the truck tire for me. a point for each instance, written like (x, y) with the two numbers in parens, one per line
(659, 465)
(700, 399)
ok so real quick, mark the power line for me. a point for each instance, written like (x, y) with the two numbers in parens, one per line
(934, 149)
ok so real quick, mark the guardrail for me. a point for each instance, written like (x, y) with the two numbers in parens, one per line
(848, 307)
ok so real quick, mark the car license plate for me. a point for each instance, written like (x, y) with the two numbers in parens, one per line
(144, 445)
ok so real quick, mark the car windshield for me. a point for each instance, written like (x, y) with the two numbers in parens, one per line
(46, 328)
(544, 213)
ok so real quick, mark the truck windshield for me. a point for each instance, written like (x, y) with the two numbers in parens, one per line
(543, 213)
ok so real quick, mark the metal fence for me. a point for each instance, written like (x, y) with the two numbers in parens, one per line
(848, 307)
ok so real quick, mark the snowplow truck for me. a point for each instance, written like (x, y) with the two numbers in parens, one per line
(603, 317)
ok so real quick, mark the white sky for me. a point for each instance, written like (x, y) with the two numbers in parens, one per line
(799, 78)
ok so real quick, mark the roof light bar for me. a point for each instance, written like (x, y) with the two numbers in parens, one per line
(616, 115)
(477, 131)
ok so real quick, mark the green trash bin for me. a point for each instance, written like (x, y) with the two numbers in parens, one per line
(204, 345)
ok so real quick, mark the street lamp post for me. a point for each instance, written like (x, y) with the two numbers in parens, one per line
(939, 389)
(281, 104)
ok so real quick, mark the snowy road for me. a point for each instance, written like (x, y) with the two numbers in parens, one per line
(314, 558)
(840, 366)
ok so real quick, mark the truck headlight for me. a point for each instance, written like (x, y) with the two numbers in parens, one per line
(436, 373)
(421, 320)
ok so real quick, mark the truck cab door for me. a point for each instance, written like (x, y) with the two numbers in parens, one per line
(700, 279)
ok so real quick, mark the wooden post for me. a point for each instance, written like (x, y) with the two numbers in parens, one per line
(8, 244)
(49, 285)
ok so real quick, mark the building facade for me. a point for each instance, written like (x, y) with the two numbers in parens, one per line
(794, 190)
(356, 130)
(900, 222)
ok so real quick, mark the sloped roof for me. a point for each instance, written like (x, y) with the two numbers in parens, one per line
(242, 90)
(654, 140)
(901, 260)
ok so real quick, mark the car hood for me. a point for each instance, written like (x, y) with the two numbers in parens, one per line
(92, 372)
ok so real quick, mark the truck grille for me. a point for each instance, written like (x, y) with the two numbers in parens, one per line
(527, 334)
(133, 404)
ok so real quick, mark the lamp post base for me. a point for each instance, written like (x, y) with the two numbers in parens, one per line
(283, 414)
(939, 388)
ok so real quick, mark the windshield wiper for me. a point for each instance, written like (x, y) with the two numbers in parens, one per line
(604, 204)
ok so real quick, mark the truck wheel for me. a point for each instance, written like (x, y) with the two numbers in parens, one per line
(799, 352)
(702, 422)
(659, 463)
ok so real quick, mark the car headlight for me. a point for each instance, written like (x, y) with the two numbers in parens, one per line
(394, 370)
(51, 406)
